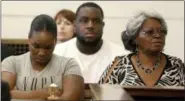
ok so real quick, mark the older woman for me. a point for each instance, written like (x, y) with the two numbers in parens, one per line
(147, 65)
(29, 74)
(64, 20)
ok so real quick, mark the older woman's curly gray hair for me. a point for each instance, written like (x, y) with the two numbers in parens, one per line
(134, 25)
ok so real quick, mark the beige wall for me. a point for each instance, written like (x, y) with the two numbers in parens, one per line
(17, 16)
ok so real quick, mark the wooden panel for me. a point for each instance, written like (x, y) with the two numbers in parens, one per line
(14, 41)
(19, 45)
(156, 91)
(118, 92)
(107, 92)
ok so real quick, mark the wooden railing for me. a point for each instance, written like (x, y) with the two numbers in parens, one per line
(118, 92)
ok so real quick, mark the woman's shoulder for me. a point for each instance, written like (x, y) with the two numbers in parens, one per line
(174, 60)
(68, 64)
(124, 59)
(58, 57)
(125, 56)
(62, 59)
(17, 58)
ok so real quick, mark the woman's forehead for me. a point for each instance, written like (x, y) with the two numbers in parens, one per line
(42, 36)
(151, 22)
(61, 17)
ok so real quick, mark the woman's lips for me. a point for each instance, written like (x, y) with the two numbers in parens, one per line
(157, 43)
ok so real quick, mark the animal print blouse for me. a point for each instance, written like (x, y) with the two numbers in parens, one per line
(125, 74)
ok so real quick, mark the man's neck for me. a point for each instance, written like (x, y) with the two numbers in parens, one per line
(89, 49)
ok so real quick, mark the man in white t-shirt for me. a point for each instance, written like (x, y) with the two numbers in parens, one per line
(88, 48)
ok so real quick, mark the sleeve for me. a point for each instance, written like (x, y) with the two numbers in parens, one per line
(104, 75)
(72, 67)
(181, 73)
(9, 64)
(112, 74)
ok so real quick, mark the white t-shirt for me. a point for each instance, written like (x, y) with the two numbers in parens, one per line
(92, 66)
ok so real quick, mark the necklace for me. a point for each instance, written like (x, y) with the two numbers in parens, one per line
(148, 70)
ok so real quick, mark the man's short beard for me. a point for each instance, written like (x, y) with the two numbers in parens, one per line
(82, 40)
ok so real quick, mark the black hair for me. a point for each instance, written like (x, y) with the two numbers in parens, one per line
(89, 4)
(43, 22)
(5, 91)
